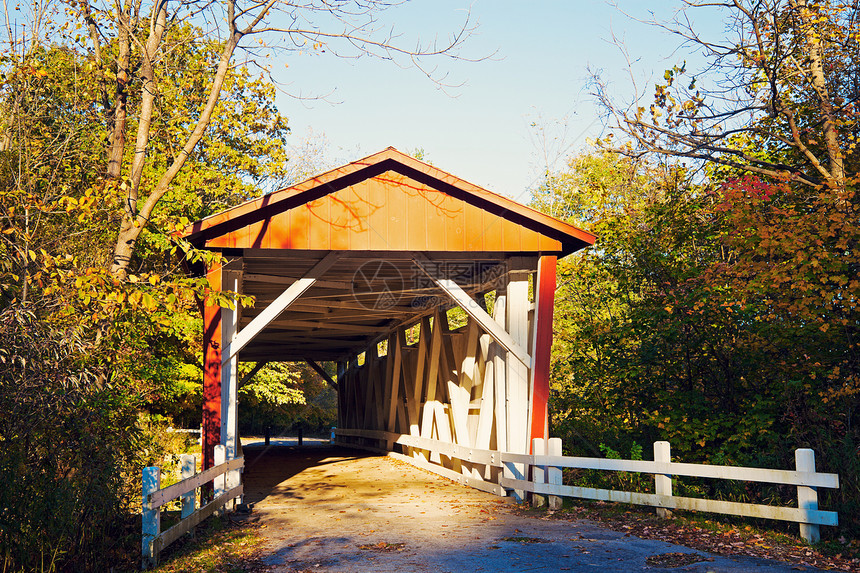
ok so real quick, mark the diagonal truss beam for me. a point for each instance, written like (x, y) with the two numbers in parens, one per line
(473, 309)
(257, 367)
(279, 305)
(319, 370)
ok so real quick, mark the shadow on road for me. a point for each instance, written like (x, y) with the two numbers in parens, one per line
(267, 468)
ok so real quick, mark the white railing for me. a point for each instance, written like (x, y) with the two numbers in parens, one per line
(196, 431)
(228, 486)
(544, 479)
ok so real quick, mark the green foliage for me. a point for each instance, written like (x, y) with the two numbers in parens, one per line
(718, 318)
(274, 385)
(67, 442)
(85, 354)
(284, 397)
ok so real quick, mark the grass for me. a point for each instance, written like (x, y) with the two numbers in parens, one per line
(220, 545)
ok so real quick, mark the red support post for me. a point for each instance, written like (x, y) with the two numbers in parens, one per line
(544, 302)
(211, 372)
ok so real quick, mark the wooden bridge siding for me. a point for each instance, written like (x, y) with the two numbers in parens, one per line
(459, 385)
(541, 346)
(211, 372)
(377, 214)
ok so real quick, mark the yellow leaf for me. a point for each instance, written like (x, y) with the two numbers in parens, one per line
(148, 302)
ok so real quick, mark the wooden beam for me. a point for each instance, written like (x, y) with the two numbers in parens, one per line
(278, 280)
(288, 297)
(473, 309)
(541, 346)
(231, 281)
(211, 371)
(319, 370)
(318, 311)
(517, 375)
(485, 415)
(257, 367)
(326, 325)
(500, 312)
(392, 378)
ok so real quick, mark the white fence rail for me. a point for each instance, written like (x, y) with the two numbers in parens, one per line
(228, 487)
(544, 479)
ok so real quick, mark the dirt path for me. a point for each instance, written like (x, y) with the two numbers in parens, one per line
(333, 509)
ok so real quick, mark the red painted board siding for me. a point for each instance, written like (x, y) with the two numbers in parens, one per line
(545, 298)
(211, 372)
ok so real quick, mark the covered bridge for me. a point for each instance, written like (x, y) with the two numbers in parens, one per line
(360, 266)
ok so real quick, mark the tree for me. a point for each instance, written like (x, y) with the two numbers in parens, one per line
(698, 317)
(778, 98)
(82, 357)
(773, 121)
(129, 47)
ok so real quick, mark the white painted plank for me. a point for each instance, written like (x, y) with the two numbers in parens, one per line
(807, 497)
(420, 367)
(171, 492)
(151, 524)
(685, 503)
(553, 474)
(787, 477)
(197, 517)
(279, 305)
(473, 309)
(517, 373)
(232, 281)
(500, 375)
(188, 468)
(662, 482)
(458, 398)
(432, 377)
(485, 414)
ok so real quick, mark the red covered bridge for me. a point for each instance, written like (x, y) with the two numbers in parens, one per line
(359, 267)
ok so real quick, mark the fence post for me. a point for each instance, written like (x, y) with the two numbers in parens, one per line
(188, 467)
(807, 497)
(663, 482)
(221, 480)
(538, 472)
(151, 518)
(553, 474)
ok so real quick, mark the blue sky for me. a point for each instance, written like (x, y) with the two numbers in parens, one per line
(489, 132)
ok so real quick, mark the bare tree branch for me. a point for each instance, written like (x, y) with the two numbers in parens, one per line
(777, 99)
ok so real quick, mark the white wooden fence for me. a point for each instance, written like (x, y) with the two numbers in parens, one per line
(196, 431)
(545, 477)
(228, 487)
